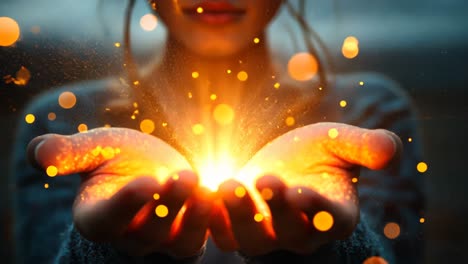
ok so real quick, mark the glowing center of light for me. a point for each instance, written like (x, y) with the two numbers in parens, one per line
(212, 174)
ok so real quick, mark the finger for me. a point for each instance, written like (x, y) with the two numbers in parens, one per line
(221, 230)
(105, 220)
(327, 218)
(156, 226)
(84, 152)
(190, 233)
(251, 234)
(290, 225)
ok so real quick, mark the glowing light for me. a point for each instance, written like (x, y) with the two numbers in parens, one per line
(242, 76)
(22, 77)
(290, 121)
(422, 220)
(161, 211)
(421, 167)
(333, 133)
(410, 140)
(299, 191)
(82, 128)
(267, 194)
(302, 66)
(256, 40)
(156, 196)
(147, 126)
(391, 230)
(354, 180)
(228, 71)
(52, 171)
(164, 124)
(350, 48)
(200, 10)
(258, 217)
(361, 83)
(175, 177)
(240, 191)
(277, 85)
(343, 103)
(46, 185)
(195, 75)
(148, 22)
(9, 31)
(136, 83)
(117, 44)
(198, 129)
(323, 221)
(213, 97)
(190, 95)
(29, 118)
(67, 100)
(51, 116)
(223, 114)
(375, 260)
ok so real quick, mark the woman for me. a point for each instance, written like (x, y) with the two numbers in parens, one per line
(218, 92)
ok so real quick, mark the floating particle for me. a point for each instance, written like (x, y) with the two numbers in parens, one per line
(240, 191)
(175, 177)
(361, 83)
(52, 171)
(29, 118)
(302, 66)
(258, 217)
(256, 40)
(67, 100)
(82, 128)
(198, 129)
(391, 230)
(323, 221)
(148, 22)
(161, 211)
(410, 139)
(267, 194)
(156, 196)
(277, 85)
(422, 220)
(190, 95)
(51, 116)
(213, 97)
(343, 103)
(117, 44)
(242, 76)
(299, 191)
(9, 31)
(164, 124)
(228, 71)
(136, 83)
(290, 121)
(195, 75)
(350, 48)
(147, 126)
(375, 260)
(421, 167)
(46, 185)
(333, 133)
(354, 179)
(200, 10)
(223, 114)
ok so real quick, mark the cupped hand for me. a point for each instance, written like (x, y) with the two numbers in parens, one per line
(308, 196)
(137, 192)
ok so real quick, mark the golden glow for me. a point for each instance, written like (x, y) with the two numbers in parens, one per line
(343, 103)
(51, 116)
(200, 10)
(299, 190)
(136, 83)
(82, 128)
(256, 40)
(147, 126)
(277, 85)
(323, 221)
(375, 260)
(410, 140)
(350, 48)
(290, 121)
(214, 172)
(161, 211)
(302, 66)
(67, 100)
(213, 97)
(361, 83)
(240, 192)
(156, 196)
(354, 180)
(164, 124)
(9, 31)
(421, 167)
(30, 118)
(175, 177)
(267, 194)
(333, 133)
(422, 220)
(46, 185)
(223, 114)
(198, 129)
(258, 217)
(228, 71)
(117, 44)
(242, 76)
(21, 78)
(189, 95)
(195, 75)
(52, 171)
(391, 230)
(148, 22)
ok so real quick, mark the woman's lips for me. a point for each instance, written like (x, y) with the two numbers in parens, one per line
(215, 12)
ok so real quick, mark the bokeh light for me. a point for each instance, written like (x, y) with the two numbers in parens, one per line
(67, 100)
(333, 133)
(323, 221)
(258, 217)
(198, 129)
(240, 191)
(375, 260)
(51, 116)
(148, 22)
(156, 196)
(223, 114)
(302, 66)
(391, 230)
(290, 121)
(161, 211)
(52, 171)
(147, 126)
(267, 194)
(350, 48)
(422, 167)
(29, 118)
(9, 31)
(343, 103)
(82, 128)
(242, 76)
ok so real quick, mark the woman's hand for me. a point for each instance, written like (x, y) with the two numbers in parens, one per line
(133, 188)
(313, 200)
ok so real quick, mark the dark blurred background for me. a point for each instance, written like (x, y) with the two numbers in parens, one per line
(422, 44)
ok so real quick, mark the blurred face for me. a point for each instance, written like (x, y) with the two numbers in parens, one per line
(216, 28)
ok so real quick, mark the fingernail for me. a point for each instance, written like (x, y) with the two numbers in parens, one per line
(32, 150)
